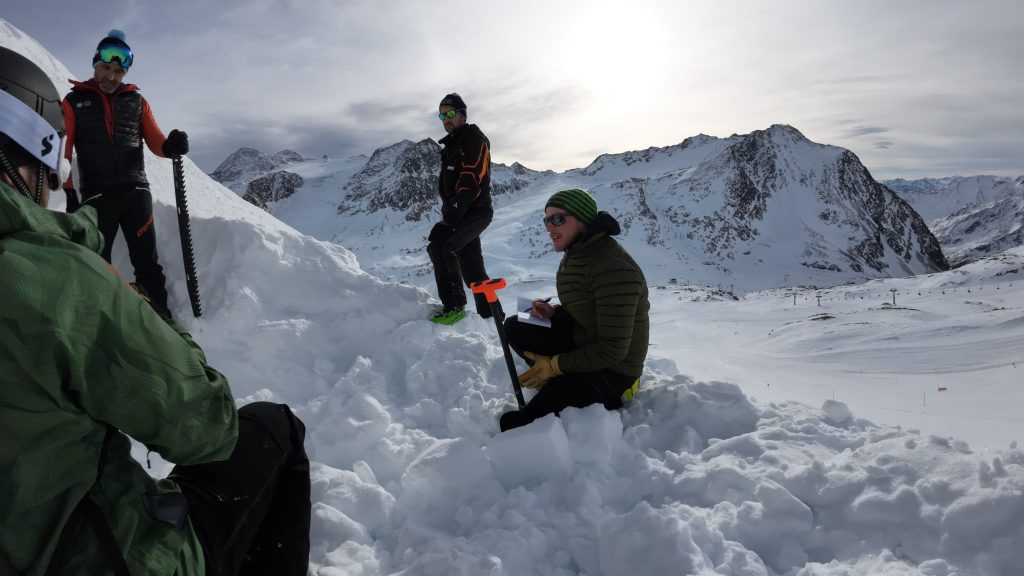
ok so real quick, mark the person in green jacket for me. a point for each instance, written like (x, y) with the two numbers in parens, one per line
(595, 348)
(86, 363)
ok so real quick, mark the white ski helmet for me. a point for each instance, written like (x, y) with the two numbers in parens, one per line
(31, 124)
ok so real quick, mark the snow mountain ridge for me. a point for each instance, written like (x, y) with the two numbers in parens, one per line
(935, 198)
(985, 230)
(971, 217)
(752, 211)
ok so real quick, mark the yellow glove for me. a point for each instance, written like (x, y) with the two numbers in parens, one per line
(544, 368)
(631, 391)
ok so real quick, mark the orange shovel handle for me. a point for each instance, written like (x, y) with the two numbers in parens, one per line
(489, 288)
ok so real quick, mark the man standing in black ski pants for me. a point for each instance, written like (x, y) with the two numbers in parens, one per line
(465, 188)
(107, 121)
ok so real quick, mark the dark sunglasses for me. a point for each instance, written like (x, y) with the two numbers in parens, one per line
(448, 114)
(556, 220)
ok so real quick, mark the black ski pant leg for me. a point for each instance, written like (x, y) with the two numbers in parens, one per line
(444, 248)
(447, 274)
(471, 261)
(523, 337)
(577, 390)
(109, 206)
(140, 235)
(252, 511)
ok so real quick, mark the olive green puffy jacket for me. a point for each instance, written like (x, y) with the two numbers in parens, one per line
(80, 352)
(605, 291)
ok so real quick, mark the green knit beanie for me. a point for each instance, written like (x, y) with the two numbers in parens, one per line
(576, 202)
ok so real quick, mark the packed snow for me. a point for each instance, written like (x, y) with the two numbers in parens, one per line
(771, 435)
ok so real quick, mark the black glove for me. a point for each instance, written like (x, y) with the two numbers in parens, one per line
(440, 232)
(73, 202)
(176, 144)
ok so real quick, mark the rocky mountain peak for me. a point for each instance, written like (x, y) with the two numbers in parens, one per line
(733, 202)
(786, 132)
(246, 165)
(270, 188)
(401, 177)
(240, 163)
(696, 141)
(287, 157)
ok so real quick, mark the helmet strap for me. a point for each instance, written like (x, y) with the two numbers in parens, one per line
(18, 181)
(40, 178)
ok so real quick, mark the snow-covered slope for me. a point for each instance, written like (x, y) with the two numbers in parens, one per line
(694, 476)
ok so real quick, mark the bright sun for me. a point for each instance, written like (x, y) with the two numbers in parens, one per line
(614, 51)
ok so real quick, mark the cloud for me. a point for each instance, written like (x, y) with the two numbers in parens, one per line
(555, 84)
(865, 131)
(310, 137)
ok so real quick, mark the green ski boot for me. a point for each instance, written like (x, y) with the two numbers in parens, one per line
(449, 316)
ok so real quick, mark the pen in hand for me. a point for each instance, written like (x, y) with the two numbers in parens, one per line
(536, 311)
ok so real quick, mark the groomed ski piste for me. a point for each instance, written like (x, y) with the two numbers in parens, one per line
(766, 439)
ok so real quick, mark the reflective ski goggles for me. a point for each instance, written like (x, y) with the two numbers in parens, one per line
(115, 52)
(449, 114)
(556, 220)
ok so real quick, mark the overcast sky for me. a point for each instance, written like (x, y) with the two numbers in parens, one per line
(914, 88)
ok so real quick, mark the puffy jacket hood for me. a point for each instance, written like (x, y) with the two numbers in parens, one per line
(19, 214)
(605, 222)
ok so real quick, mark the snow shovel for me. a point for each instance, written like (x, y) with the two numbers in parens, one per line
(489, 288)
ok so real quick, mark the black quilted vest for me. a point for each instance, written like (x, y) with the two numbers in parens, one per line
(104, 162)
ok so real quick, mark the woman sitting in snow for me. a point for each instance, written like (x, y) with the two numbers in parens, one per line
(594, 350)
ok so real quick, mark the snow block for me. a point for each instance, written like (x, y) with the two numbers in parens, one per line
(442, 479)
(537, 451)
(351, 429)
(594, 434)
(836, 413)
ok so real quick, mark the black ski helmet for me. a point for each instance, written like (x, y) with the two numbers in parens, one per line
(31, 118)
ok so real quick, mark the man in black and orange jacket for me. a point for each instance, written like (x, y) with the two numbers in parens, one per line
(465, 187)
(107, 121)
